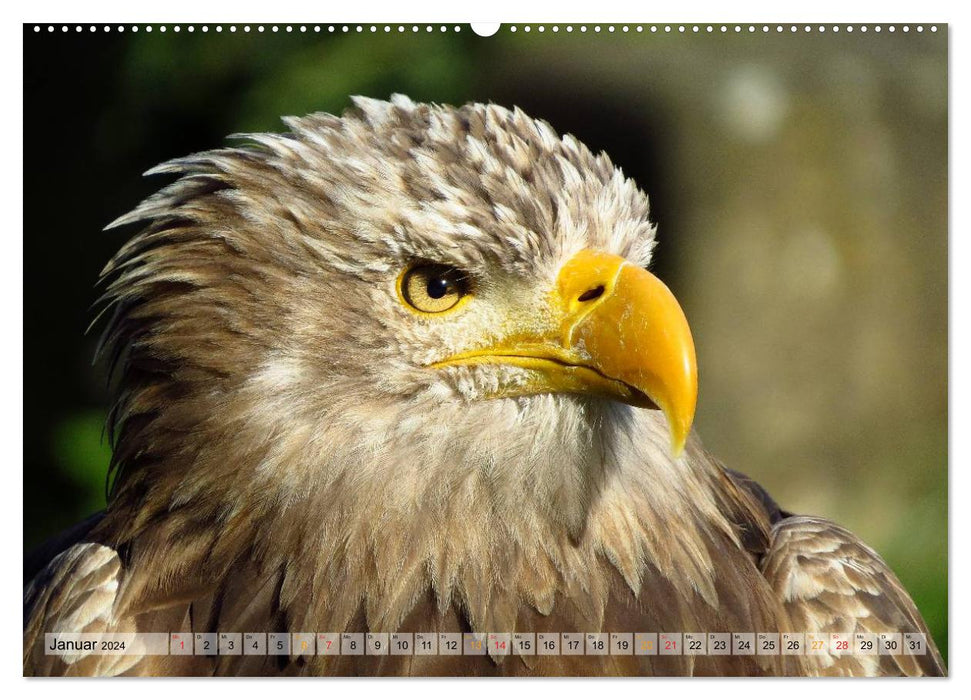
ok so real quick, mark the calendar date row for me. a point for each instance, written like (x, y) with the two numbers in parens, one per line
(491, 643)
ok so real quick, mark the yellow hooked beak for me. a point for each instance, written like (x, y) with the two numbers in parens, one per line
(618, 332)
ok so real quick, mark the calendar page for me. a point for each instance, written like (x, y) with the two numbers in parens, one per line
(521, 349)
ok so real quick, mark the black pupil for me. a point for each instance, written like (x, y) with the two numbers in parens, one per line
(437, 287)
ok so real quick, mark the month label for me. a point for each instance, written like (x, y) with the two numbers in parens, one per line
(72, 646)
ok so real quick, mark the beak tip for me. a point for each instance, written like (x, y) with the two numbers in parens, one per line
(680, 431)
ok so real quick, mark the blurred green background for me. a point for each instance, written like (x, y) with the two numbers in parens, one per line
(799, 181)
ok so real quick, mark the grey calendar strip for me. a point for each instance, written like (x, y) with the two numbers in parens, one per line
(76, 645)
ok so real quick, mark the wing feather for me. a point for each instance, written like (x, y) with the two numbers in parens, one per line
(75, 592)
(830, 581)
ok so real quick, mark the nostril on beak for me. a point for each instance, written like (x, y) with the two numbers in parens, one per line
(591, 294)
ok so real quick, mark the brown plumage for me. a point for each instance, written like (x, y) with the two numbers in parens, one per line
(300, 445)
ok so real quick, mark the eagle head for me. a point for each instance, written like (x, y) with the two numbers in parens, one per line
(409, 307)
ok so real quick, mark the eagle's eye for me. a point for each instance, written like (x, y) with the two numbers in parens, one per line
(432, 288)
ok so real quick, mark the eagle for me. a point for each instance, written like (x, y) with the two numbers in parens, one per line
(406, 370)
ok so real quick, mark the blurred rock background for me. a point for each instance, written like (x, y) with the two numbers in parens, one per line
(799, 181)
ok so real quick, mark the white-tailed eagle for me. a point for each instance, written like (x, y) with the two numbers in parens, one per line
(405, 370)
